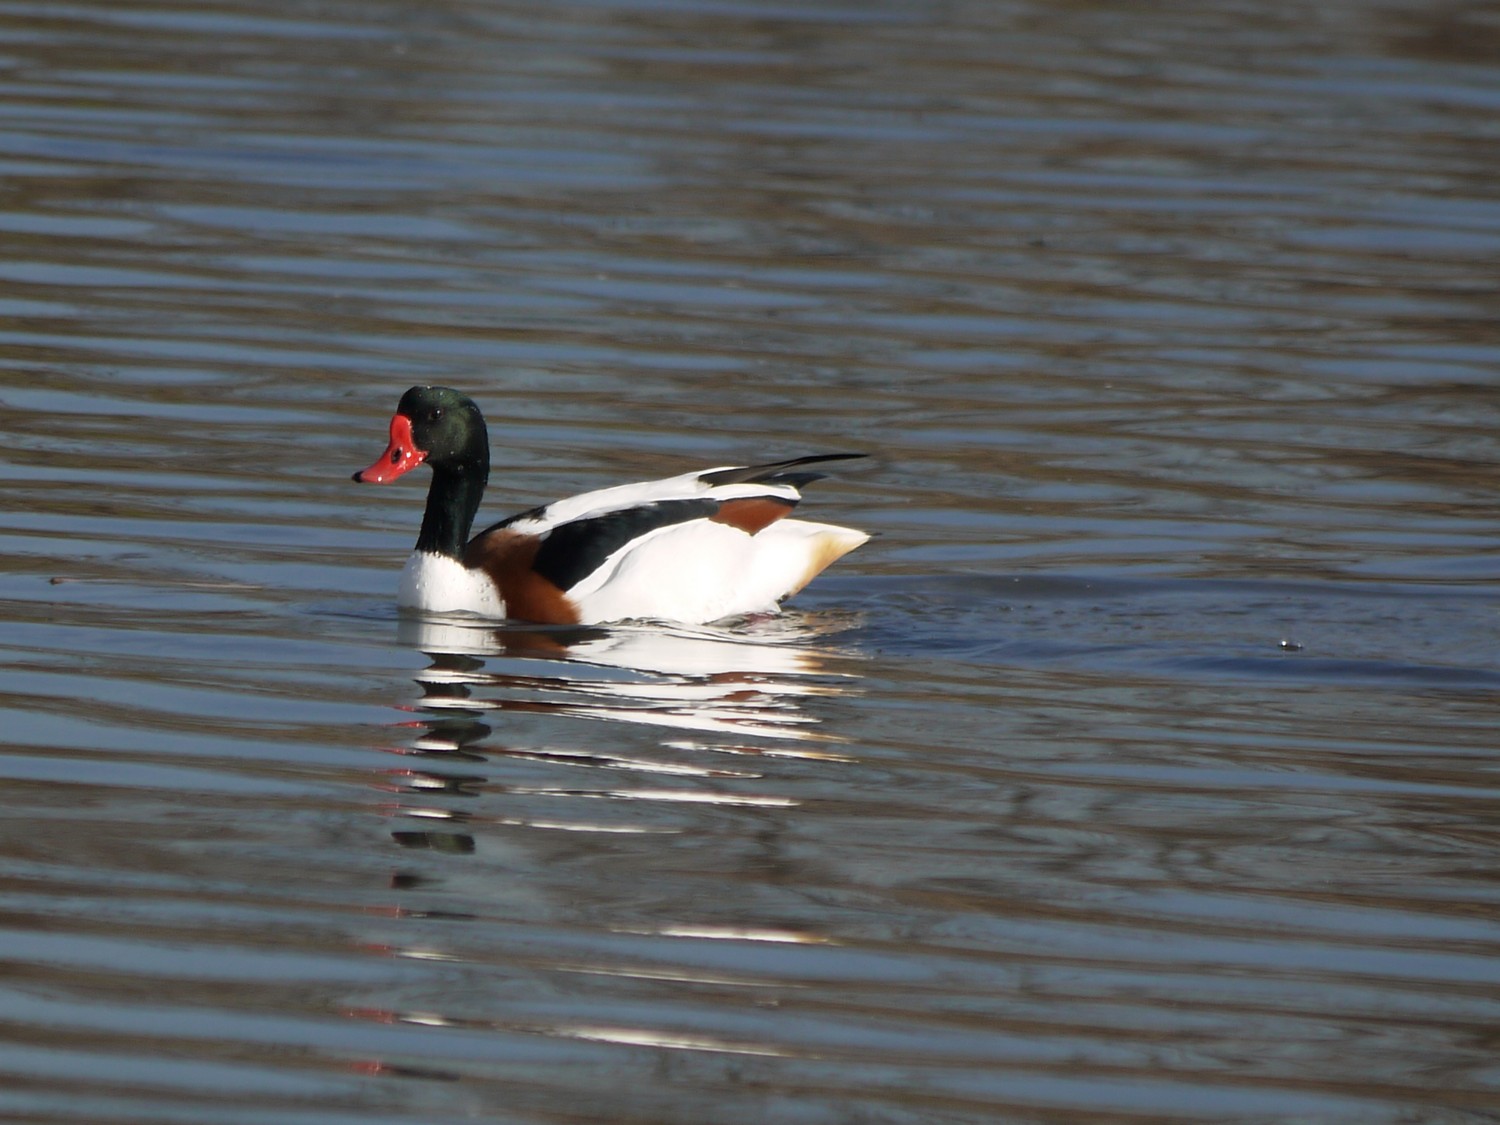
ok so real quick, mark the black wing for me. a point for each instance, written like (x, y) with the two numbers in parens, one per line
(572, 551)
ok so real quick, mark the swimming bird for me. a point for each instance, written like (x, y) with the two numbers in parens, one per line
(692, 548)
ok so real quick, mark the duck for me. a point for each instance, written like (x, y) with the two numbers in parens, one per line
(695, 548)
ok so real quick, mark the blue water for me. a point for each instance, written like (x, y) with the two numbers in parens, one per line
(1143, 767)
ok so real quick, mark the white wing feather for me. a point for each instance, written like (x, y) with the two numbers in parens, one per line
(602, 501)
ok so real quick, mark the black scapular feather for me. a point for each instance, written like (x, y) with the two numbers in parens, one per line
(574, 550)
(776, 471)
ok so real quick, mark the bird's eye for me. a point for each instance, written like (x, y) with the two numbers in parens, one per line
(437, 413)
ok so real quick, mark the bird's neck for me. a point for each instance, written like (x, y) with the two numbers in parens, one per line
(452, 502)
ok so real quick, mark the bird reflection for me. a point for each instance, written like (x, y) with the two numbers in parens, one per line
(726, 692)
(701, 679)
(487, 784)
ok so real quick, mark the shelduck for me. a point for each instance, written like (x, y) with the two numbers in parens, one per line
(692, 548)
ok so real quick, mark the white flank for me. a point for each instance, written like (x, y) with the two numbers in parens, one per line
(703, 571)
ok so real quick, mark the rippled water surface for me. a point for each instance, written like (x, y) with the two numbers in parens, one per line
(1145, 767)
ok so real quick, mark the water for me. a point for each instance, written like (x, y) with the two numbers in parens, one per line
(1143, 768)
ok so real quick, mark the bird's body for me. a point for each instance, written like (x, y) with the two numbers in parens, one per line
(694, 548)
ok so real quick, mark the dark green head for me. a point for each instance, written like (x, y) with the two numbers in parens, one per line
(440, 427)
(437, 426)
